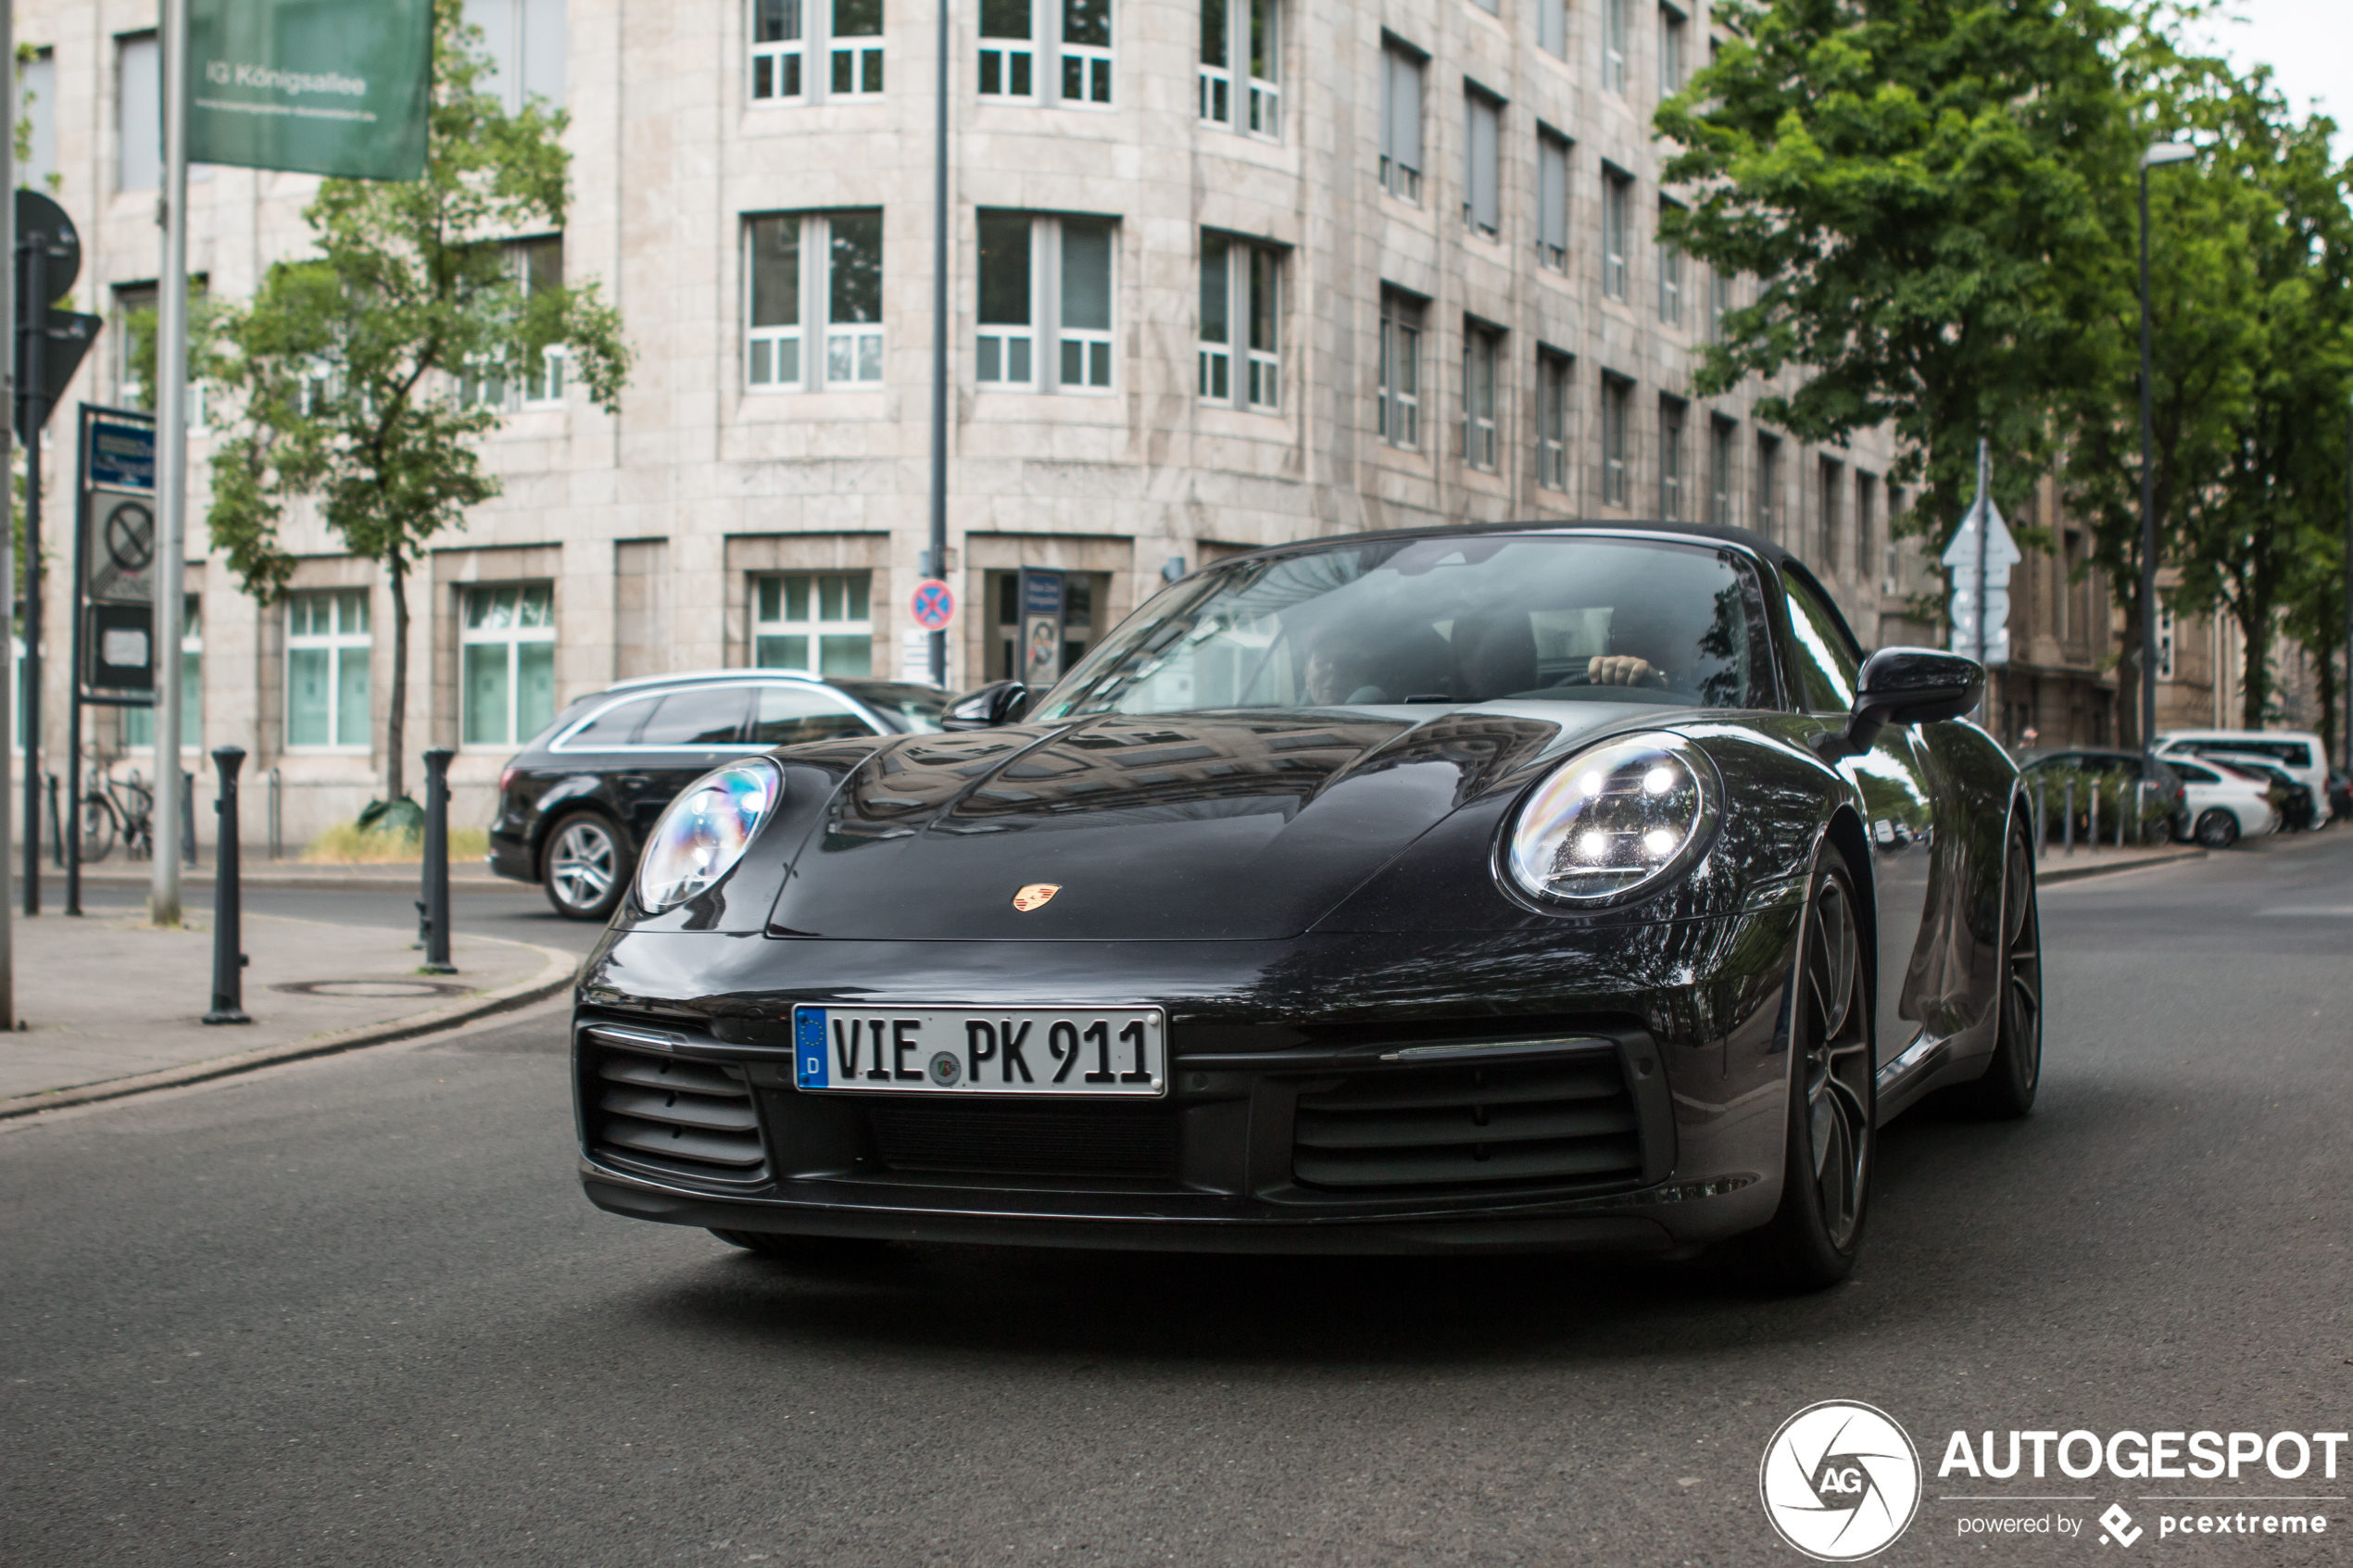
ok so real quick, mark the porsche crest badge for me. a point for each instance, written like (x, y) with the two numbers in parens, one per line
(1036, 895)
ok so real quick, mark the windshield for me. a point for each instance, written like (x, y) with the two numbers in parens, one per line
(1439, 621)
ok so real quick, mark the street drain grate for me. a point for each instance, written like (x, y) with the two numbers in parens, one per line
(381, 989)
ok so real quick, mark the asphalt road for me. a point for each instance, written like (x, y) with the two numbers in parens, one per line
(356, 1311)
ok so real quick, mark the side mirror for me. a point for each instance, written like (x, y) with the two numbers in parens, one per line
(999, 702)
(1909, 687)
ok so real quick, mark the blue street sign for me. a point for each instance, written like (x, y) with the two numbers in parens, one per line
(120, 456)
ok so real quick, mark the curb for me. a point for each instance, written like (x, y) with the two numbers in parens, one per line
(2092, 868)
(53, 880)
(557, 974)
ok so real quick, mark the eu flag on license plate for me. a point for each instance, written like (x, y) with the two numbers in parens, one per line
(809, 1047)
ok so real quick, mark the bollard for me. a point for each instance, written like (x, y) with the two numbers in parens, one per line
(228, 947)
(2042, 821)
(56, 825)
(2067, 824)
(437, 863)
(2092, 821)
(188, 816)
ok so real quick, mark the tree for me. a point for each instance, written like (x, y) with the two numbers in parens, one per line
(345, 373)
(1911, 183)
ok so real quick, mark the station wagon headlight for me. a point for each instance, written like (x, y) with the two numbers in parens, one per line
(1613, 821)
(706, 831)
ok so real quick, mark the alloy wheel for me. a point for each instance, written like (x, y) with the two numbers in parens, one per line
(580, 866)
(1837, 1063)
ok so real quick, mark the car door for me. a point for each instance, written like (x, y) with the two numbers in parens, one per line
(692, 731)
(1893, 780)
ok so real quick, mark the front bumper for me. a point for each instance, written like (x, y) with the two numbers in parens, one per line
(1680, 1088)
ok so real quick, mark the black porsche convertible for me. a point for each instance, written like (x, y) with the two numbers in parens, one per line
(1511, 887)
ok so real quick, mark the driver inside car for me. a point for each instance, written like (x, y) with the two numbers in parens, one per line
(1642, 650)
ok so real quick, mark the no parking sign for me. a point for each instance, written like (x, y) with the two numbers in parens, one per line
(933, 605)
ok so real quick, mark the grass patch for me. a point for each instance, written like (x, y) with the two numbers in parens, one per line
(347, 844)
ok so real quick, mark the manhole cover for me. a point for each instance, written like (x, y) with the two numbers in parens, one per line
(381, 988)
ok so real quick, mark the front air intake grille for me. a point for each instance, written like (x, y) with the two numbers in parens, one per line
(1567, 1120)
(1120, 1142)
(670, 1115)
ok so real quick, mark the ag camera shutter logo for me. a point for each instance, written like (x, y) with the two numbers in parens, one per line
(1840, 1481)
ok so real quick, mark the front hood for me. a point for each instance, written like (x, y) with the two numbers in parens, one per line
(1246, 825)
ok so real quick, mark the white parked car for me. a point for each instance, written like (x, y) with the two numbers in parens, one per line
(2295, 751)
(2220, 804)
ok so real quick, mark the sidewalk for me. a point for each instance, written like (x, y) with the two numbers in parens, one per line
(113, 1006)
(465, 876)
(2057, 865)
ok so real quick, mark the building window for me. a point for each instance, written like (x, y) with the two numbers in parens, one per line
(1672, 33)
(1401, 369)
(38, 102)
(327, 659)
(1890, 567)
(844, 291)
(1670, 459)
(1617, 401)
(1552, 28)
(1240, 289)
(817, 622)
(1833, 476)
(1055, 270)
(1719, 472)
(1552, 421)
(139, 723)
(1617, 208)
(1719, 304)
(1075, 54)
(135, 319)
(1866, 504)
(525, 42)
(1008, 50)
(507, 651)
(1551, 201)
(1670, 276)
(1613, 29)
(776, 47)
(1086, 52)
(857, 46)
(1769, 479)
(138, 112)
(1249, 32)
(1482, 126)
(1482, 346)
(1401, 120)
(538, 267)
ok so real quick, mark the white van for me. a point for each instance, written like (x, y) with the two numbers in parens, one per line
(2296, 751)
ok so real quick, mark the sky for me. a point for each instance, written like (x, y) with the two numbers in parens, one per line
(2308, 45)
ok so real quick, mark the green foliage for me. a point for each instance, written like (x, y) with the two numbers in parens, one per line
(1911, 185)
(343, 373)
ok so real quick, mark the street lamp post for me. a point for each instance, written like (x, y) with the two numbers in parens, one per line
(2161, 153)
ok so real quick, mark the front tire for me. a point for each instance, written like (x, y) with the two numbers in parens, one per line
(2007, 1091)
(1833, 1095)
(582, 870)
(2216, 829)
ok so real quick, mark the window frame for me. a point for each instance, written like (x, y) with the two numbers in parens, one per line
(1553, 432)
(1048, 336)
(1482, 161)
(337, 643)
(1617, 218)
(1398, 407)
(1766, 481)
(812, 294)
(1615, 25)
(1830, 487)
(1251, 268)
(1669, 257)
(513, 638)
(1482, 357)
(1722, 436)
(1674, 33)
(1555, 164)
(857, 584)
(1401, 62)
(1243, 100)
(778, 60)
(1674, 419)
(1617, 409)
(191, 691)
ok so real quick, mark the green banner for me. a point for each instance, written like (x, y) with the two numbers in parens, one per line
(319, 87)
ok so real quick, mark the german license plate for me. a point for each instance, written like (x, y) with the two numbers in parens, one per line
(1064, 1052)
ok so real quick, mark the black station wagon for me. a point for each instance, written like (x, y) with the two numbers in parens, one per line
(575, 805)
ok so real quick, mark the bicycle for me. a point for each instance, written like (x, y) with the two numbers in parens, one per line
(116, 808)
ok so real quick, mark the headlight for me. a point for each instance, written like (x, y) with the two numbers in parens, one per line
(1612, 821)
(706, 831)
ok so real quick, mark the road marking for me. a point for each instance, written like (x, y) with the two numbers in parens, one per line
(2339, 910)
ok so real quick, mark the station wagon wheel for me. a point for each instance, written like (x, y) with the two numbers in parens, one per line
(2218, 829)
(1833, 1101)
(2007, 1091)
(583, 871)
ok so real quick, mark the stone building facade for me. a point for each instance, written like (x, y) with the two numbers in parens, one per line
(1223, 273)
